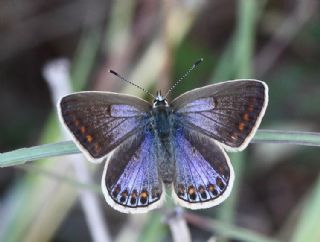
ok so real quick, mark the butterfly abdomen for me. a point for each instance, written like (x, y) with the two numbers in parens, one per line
(166, 164)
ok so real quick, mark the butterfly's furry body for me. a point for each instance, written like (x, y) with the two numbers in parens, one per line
(161, 125)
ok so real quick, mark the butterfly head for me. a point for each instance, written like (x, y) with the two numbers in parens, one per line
(160, 100)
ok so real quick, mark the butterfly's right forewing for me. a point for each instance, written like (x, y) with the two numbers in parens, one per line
(229, 112)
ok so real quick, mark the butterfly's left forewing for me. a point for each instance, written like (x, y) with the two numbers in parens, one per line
(204, 174)
(100, 121)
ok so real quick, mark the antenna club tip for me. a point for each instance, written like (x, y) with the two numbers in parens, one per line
(198, 62)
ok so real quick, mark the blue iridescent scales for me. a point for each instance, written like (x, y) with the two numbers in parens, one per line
(147, 146)
(202, 171)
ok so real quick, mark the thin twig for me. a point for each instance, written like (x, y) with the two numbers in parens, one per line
(60, 178)
(58, 77)
(178, 226)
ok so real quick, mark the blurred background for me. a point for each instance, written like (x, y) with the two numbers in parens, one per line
(277, 188)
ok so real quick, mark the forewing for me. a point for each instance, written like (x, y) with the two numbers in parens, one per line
(130, 182)
(230, 112)
(204, 174)
(100, 121)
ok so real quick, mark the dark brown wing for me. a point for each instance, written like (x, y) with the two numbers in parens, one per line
(100, 121)
(230, 112)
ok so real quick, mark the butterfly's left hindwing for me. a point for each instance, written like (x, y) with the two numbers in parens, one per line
(100, 121)
(130, 182)
(204, 174)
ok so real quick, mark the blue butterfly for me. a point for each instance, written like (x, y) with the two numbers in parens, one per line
(179, 144)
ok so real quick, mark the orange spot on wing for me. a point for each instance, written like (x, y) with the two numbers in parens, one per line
(143, 194)
(241, 126)
(118, 188)
(124, 194)
(211, 188)
(116, 191)
(89, 138)
(77, 122)
(191, 190)
(134, 194)
(246, 117)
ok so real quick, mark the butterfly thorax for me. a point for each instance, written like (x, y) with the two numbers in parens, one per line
(161, 112)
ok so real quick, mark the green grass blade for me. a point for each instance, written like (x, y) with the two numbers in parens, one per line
(307, 228)
(242, 46)
(84, 59)
(287, 137)
(155, 229)
(21, 156)
(225, 68)
(227, 210)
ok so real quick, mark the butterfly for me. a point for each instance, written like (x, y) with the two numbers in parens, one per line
(181, 144)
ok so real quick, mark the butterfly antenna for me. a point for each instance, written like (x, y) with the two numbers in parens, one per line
(184, 76)
(133, 84)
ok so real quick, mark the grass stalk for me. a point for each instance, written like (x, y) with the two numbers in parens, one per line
(23, 155)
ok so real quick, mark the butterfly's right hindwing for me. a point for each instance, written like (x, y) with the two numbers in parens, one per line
(204, 175)
(100, 121)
